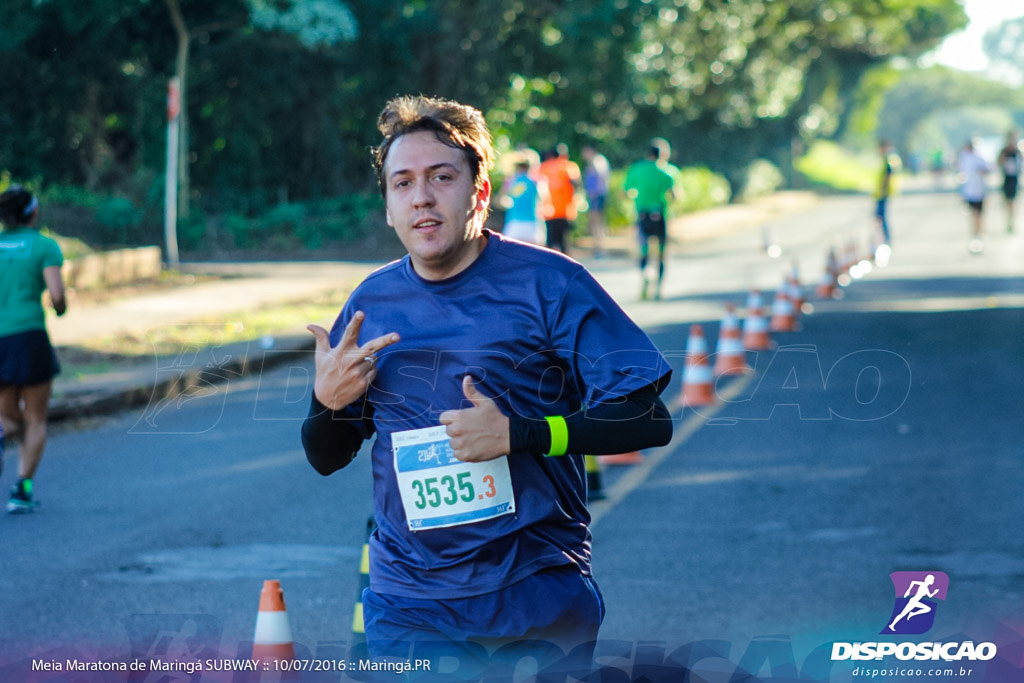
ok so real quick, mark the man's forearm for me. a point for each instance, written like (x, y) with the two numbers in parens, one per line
(641, 420)
(330, 441)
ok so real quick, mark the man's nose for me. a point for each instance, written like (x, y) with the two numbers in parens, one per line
(423, 194)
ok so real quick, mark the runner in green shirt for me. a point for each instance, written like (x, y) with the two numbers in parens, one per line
(29, 265)
(650, 182)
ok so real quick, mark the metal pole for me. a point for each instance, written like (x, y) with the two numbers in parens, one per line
(171, 173)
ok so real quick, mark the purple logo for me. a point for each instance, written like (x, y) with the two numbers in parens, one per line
(916, 595)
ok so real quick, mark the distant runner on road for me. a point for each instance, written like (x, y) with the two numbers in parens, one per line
(651, 184)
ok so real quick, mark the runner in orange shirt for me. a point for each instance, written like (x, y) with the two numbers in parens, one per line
(563, 180)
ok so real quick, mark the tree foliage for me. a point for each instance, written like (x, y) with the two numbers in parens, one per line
(1004, 46)
(921, 95)
(282, 95)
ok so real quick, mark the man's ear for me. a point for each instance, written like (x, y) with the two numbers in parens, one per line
(387, 215)
(483, 196)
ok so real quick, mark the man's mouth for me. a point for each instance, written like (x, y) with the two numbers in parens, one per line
(426, 224)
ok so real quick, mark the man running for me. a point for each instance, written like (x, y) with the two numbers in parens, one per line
(486, 368)
(650, 182)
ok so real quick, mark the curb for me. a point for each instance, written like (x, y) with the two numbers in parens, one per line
(173, 377)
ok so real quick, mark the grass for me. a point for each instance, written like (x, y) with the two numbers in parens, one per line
(78, 363)
(829, 165)
(221, 330)
(108, 354)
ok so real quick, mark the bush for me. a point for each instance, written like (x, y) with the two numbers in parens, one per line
(88, 220)
(117, 218)
(193, 232)
(828, 165)
(66, 195)
(337, 222)
(100, 220)
(760, 178)
(351, 217)
(700, 189)
(238, 228)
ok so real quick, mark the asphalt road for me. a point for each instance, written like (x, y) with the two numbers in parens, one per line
(883, 436)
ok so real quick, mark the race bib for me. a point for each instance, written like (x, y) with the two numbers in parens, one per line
(439, 490)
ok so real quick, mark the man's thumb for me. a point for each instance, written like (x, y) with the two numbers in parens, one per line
(471, 392)
(323, 338)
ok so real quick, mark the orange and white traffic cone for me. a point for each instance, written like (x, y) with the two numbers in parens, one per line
(782, 312)
(796, 294)
(830, 279)
(631, 458)
(849, 256)
(854, 254)
(730, 357)
(697, 385)
(827, 286)
(755, 301)
(273, 638)
(755, 327)
(875, 240)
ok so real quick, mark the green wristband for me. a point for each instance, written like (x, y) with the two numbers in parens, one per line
(559, 435)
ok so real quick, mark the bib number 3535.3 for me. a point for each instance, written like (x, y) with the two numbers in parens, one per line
(438, 490)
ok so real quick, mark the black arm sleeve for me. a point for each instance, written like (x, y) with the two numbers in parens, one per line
(329, 441)
(641, 420)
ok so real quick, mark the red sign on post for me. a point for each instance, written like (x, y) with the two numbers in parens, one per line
(173, 98)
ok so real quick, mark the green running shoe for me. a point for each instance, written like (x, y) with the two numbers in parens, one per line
(21, 498)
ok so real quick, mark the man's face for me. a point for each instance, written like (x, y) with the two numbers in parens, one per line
(433, 204)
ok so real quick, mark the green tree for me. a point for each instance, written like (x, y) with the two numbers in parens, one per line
(84, 97)
(737, 81)
(1004, 46)
(725, 81)
(245, 149)
(923, 97)
(78, 89)
(282, 95)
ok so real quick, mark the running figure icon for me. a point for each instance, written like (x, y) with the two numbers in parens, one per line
(915, 606)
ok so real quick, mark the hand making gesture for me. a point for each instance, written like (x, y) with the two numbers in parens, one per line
(478, 433)
(344, 372)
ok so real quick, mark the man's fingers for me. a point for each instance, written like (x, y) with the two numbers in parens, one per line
(350, 337)
(447, 417)
(374, 345)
